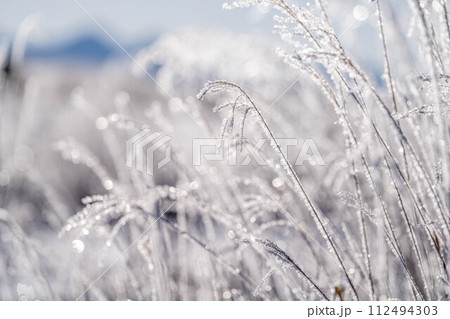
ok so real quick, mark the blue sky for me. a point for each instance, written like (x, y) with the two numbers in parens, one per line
(129, 20)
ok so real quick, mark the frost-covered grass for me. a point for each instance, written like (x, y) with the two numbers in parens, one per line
(371, 224)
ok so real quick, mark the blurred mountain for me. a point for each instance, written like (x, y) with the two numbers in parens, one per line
(88, 49)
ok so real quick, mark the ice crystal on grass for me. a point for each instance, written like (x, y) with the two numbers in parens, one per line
(350, 200)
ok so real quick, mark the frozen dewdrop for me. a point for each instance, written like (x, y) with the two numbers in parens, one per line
(231, 234)
(172, 193)
(108, 184)
(360, 13)
(226, 295)
(436, 6)
(75, 155)
(191, 99)
(114, 117)
(195, 185)
(122, 98)
(85, 232)
(78, 246)
(277, 182)
(101, 123)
